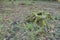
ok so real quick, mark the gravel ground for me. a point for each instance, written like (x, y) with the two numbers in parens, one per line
(23, 10)
(16, 12)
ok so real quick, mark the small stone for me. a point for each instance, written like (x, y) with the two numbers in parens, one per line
(16, 29)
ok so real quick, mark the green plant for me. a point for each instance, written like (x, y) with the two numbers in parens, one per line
(29, 26)
(40, 18)
(39, 21)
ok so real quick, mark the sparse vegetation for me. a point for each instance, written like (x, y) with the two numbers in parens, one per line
(41, 21)
(38, 25)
